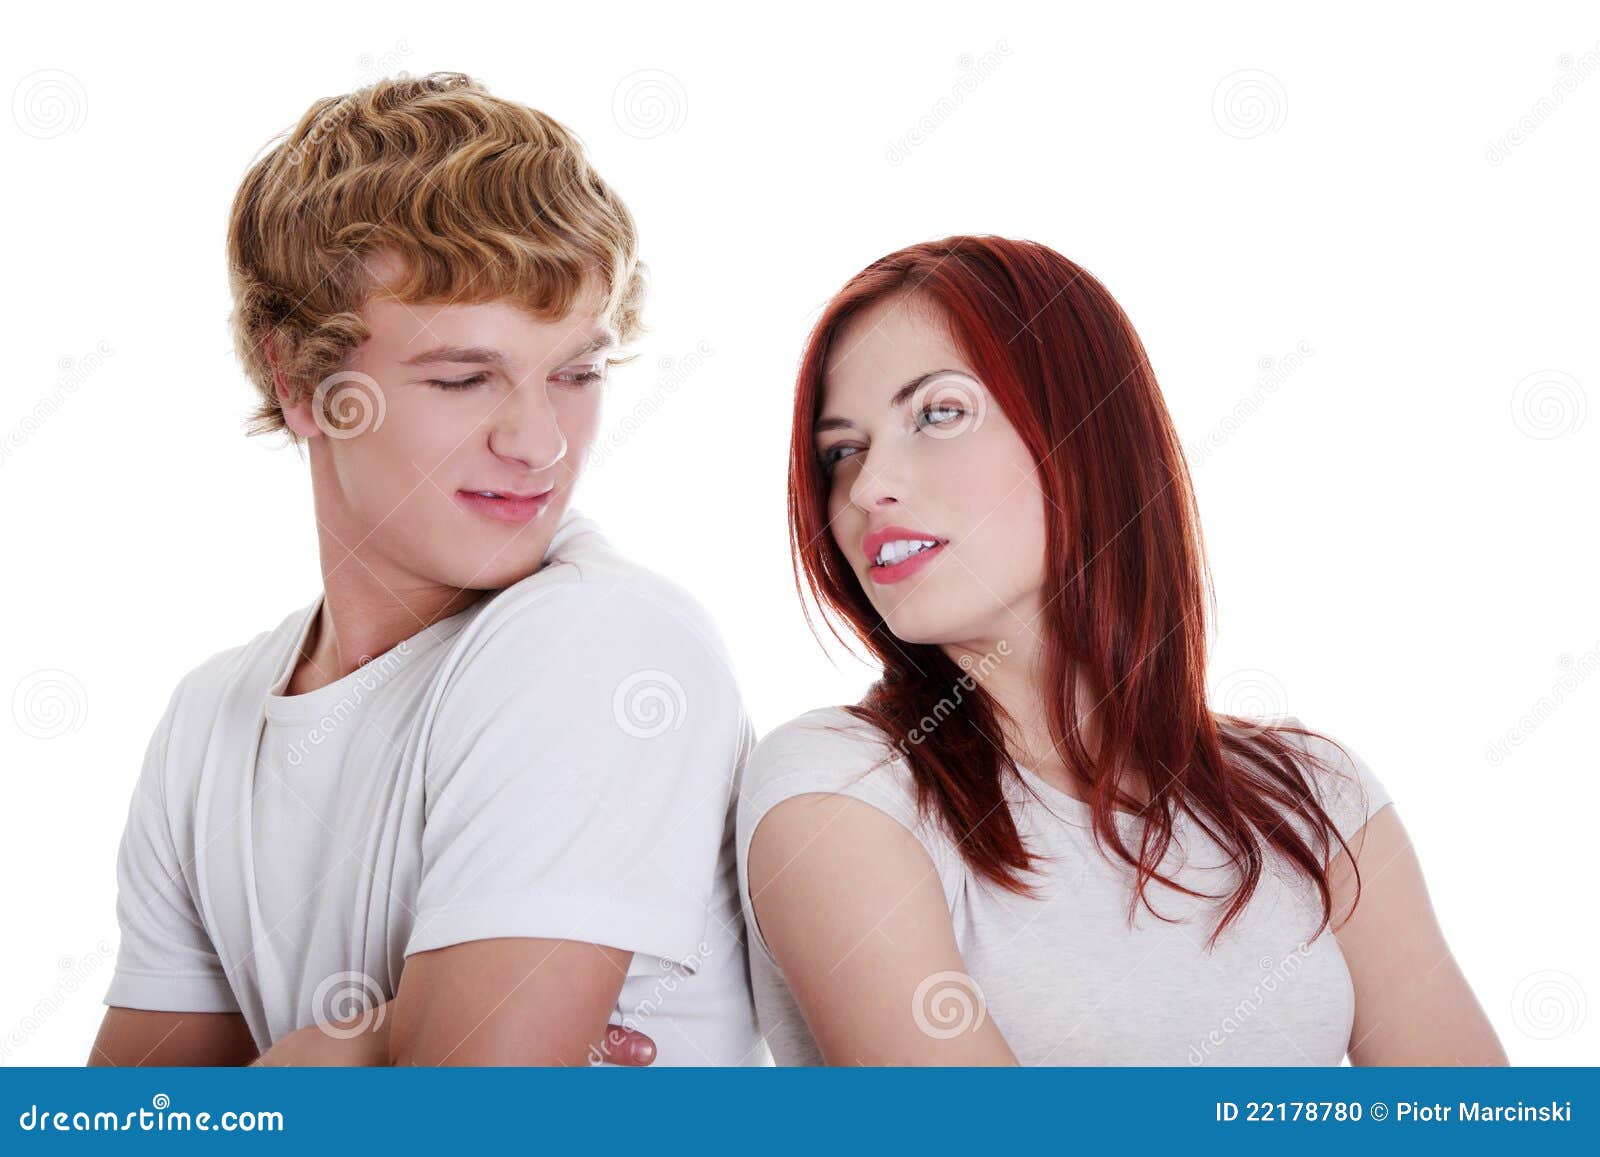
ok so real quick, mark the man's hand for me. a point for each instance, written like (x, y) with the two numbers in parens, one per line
(363, 1040)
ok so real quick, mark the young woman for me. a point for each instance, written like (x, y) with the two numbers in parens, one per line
(1032, 842)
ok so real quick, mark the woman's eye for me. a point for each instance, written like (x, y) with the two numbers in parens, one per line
(833, 455)
(940, 415)
(460, 383)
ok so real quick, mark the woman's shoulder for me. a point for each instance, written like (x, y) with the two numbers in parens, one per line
(831, 751)
(1346, 785)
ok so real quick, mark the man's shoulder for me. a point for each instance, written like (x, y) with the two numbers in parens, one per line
(590, 591)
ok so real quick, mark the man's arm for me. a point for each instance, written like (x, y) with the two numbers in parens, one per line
(850, 904)
(506, 1001)
(134, 1037)
(1413, 1005)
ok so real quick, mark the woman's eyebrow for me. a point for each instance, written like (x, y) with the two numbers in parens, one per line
(900, 396)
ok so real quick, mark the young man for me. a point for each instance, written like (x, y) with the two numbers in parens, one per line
(473, 804)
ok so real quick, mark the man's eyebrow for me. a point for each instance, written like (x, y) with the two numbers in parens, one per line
(489, 356)
(900, 396)
(467, 355)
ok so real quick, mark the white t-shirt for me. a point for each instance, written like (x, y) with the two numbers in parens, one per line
(1063, 976)
(559, 760)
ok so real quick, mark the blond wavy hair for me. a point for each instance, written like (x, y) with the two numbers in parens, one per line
(482, 199)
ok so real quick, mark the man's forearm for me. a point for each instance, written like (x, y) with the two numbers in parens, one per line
(359, 1041)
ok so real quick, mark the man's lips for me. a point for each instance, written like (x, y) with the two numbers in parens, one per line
(506, 505)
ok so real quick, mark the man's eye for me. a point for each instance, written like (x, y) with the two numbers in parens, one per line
(582, 377)
(460, 383)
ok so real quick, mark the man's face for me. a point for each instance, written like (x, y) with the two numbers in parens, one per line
(442, 406)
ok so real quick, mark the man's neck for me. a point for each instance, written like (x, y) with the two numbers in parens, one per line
(353, 627)
(368, 608)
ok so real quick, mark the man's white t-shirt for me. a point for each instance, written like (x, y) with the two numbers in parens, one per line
(559, 760)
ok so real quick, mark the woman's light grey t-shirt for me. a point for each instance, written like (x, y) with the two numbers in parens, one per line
(1064, 977)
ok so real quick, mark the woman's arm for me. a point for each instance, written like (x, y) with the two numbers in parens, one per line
(1413, 1005)
(851, 907)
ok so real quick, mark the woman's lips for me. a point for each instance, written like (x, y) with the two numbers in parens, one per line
(905, 568)
(506, 509)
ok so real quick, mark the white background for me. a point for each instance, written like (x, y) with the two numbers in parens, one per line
(1401, 526)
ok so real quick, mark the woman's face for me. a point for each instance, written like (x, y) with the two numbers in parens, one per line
(917, 452)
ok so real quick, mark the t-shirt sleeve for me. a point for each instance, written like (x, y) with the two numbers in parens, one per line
(579, 773)
(828, 751)
(1347, 788)
(165, 958)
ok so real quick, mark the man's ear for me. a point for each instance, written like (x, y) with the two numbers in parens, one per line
(297, 413)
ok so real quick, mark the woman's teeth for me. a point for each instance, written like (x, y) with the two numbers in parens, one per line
(892, 552)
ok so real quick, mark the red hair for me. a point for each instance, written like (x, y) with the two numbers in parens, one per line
(1126, 588)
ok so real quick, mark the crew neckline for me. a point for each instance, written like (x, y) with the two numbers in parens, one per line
(281, 708)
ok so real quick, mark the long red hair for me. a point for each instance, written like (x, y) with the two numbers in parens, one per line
(1126, 595)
